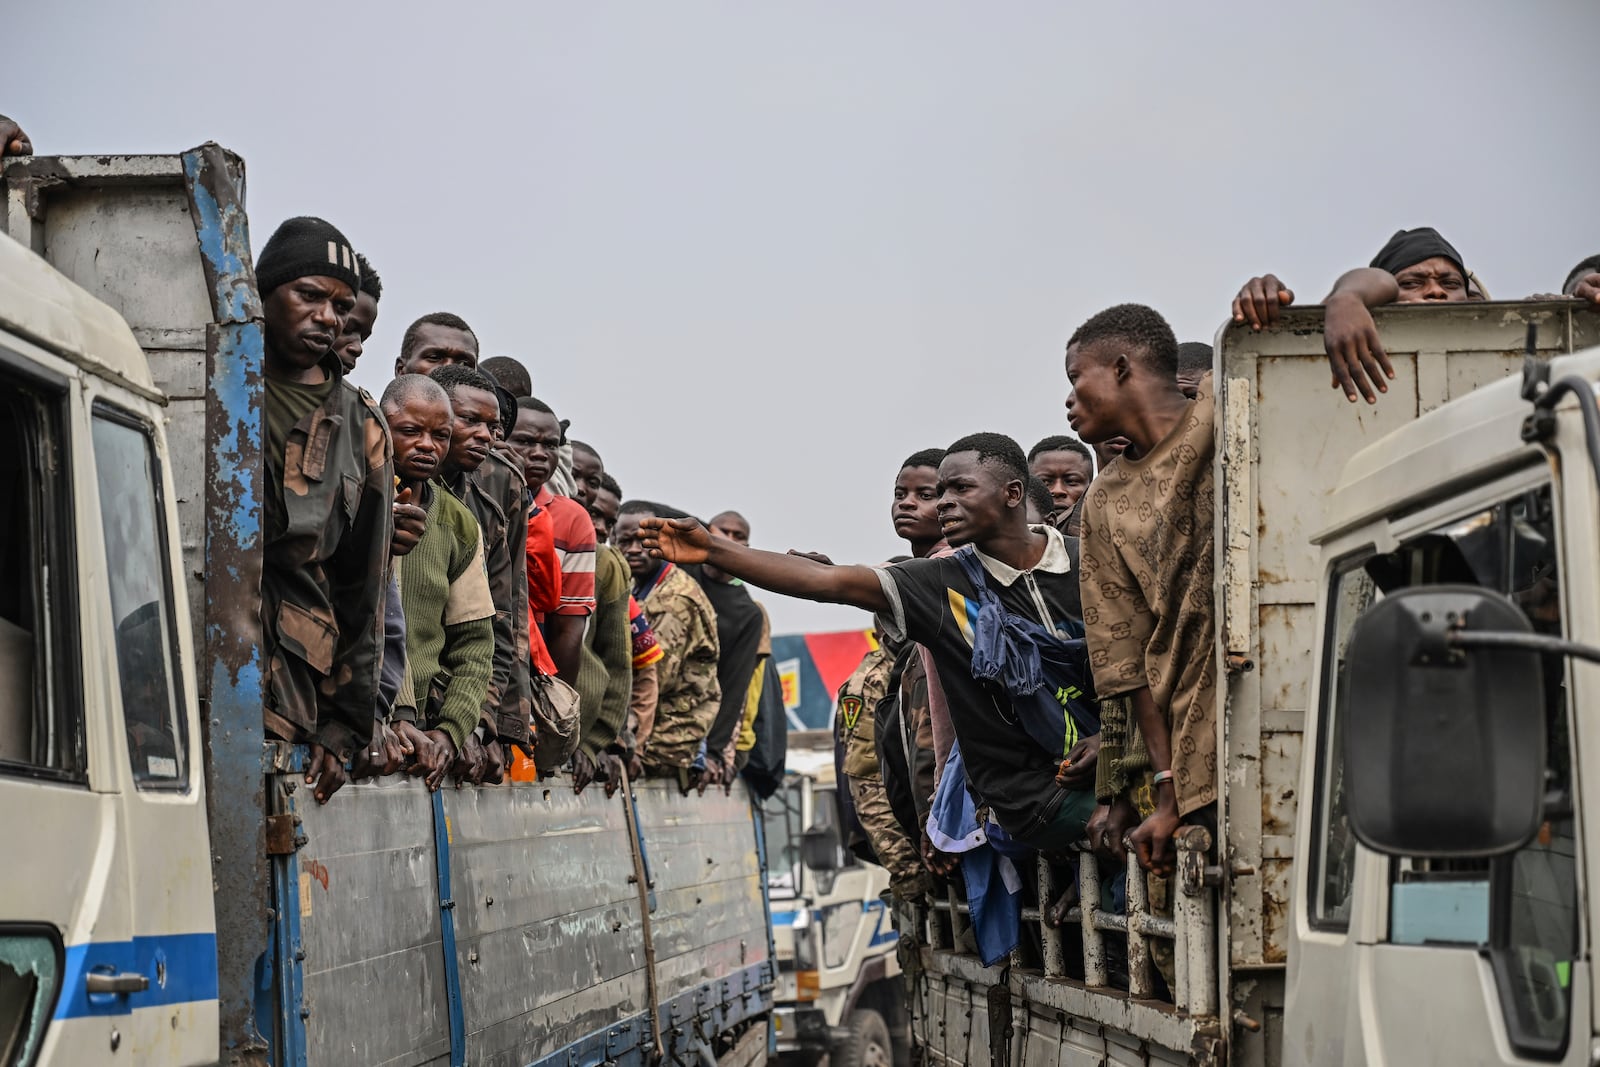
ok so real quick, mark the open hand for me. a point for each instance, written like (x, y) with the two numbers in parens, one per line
(676, 540)
(1356, 355)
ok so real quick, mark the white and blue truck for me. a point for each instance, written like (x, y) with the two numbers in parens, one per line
(171, 896)
(840, 996)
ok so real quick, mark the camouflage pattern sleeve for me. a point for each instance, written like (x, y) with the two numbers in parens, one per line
(689, 693)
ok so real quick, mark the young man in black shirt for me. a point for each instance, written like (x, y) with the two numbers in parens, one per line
(1032, 570)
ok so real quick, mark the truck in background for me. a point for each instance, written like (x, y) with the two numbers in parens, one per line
(1300, 937)
(177, 899)
(840, 994)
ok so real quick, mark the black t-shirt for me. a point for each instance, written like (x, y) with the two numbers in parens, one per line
(1006, 768)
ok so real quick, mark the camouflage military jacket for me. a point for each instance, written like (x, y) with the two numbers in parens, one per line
(686, 630)
(498, 498)
(853, 720)
(325, 571)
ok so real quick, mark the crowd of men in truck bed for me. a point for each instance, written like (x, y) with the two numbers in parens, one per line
(454, 588)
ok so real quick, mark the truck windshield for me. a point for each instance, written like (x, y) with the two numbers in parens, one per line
(780, 816)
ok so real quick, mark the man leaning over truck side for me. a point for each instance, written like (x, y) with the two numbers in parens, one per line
(443, 585)
(1415, 266)
(492, 488)
(329, 493)
(1030, 571)
(1147, 557)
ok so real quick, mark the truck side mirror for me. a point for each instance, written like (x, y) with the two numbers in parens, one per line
(1444, 724)
(819, 849)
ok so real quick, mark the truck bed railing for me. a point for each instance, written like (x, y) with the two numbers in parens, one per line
(1086, 996)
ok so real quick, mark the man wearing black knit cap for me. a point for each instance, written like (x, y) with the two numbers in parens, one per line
(329, 493)
(1415, 266)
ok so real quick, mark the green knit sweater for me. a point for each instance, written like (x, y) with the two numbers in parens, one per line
(605, 678)
(444, 589)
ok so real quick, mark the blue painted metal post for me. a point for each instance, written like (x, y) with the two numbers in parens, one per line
(230, 666)
(447, 934)
(290, 1049)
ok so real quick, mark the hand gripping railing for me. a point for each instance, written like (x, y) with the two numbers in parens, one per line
(1191, 928)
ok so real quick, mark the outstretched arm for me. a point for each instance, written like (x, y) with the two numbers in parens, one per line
(686, 541)
(1355, 354)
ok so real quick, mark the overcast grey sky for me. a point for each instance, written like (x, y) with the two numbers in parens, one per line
(759, 253)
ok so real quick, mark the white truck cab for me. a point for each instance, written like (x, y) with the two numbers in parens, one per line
(1452, 945)
(839, 989)
(99, 724)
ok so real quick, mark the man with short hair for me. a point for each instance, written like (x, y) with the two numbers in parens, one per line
(1147, 558)
(1194, 363)
(588, 473)
(493, 489)
(536, 439)
(604, 507)
(1025, 577)
(915, 516)
(435, 340)
(740, 623)
(606, 681)
(359, 324)
(686, 629)
(327, 519)
(443, 585)
(509, 374)
(1065, 466)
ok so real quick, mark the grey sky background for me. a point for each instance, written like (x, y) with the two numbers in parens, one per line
(760, 253)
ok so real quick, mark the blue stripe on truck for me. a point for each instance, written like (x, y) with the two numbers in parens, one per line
(181, 968)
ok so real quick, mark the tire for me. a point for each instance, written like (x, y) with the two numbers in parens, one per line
(868, 1044)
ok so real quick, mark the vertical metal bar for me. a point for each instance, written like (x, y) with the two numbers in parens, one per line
(287, 946)
(958, 925)
(229, 672)
(1094, 948)
(1192, 907)
(933, 928)
(1138, 895)
(647, 904)
(1055, 954)
(447, 933)
(1180, 954)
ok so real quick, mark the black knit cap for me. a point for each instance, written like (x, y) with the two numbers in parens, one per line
(306, 247)
(1407, 248)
